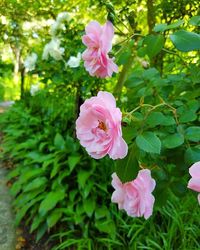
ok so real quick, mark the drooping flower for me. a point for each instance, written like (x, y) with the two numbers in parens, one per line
(73, 61)
(194, 182)
(135, 197)
(98, 127)
(98, 40)
(53, 49)
(30, 62)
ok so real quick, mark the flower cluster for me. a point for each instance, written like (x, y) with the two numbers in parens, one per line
(135, 197)
(30, 62)
(58, 24)
(34, 89)
(73, 61)
(98, 40)
(53, 49)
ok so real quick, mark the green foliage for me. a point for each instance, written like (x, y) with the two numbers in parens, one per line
(57, 187)
(185, 40)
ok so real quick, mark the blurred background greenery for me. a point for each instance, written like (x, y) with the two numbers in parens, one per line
(59, 190)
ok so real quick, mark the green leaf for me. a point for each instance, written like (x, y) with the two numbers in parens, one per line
(193, 134)
(51, 201)
(37, 220)
(155, 119)
(192, 155)
(129, 133)
(175, 24)
(55, 170)
(163, 26)
(41, 231)
(195, 20)
(106, 226)
(178, 188)
(188, 116)
(154, 44)
(173, 141)
(101, 212)
(15, 188)
(185, 41)
(53, 217)
(82, 177)
(23, 211)
(89, 206)
(149, 142)
(36, 183)
(73, 161)
(160, 27)
(30, 173)
(59, 142)
(127, 168)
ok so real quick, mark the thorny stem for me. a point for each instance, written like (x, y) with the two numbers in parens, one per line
(155, 107)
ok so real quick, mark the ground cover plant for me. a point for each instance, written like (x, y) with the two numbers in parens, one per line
(109, 113)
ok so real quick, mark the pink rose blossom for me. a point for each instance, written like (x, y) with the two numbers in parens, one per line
(98, 40)
(98, 127)
(135, 197)
(194, 182)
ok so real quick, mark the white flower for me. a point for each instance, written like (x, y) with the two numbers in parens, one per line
(30, 61)
(73, 61)
(58, 24)
(63, 16)
(53, 49)
(55, 27)
(34, 89)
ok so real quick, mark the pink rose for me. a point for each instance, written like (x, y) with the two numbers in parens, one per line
(98, 40)
(194, 182)
(135, 197)
(98, 127)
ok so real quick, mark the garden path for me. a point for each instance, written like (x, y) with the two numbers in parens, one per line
(7, 230)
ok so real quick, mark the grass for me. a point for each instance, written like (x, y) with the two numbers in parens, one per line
(176, 226)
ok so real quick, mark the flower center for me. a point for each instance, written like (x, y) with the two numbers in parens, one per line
(102, 126)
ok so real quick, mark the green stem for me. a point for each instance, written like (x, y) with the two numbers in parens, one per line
(122, 76)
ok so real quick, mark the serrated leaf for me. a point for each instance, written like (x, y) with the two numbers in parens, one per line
(193, 134)
(128, 167)
(173, 141)
(192, 155)
(195, 20)
(163, 26)
(160, 27)
(154, 44)
(149, 142)
(175, 24)
(185, 41)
